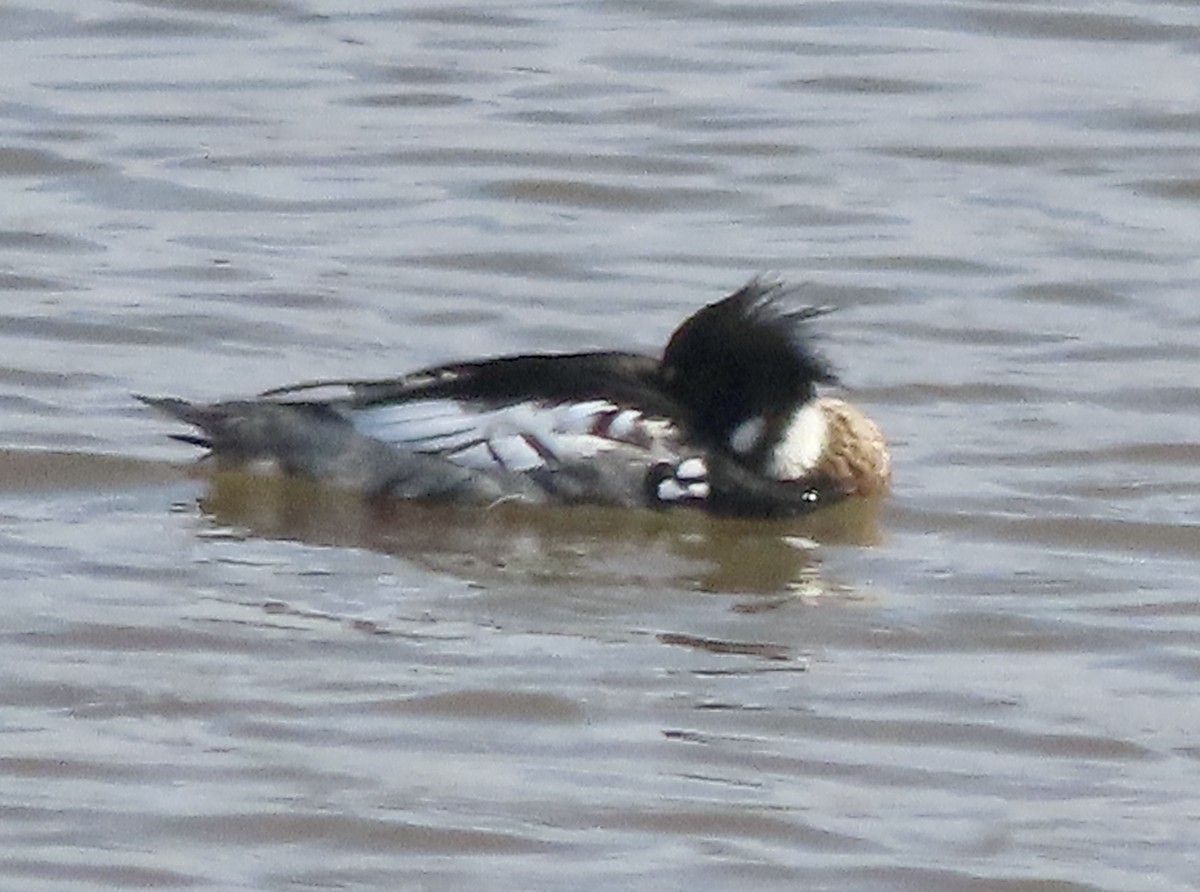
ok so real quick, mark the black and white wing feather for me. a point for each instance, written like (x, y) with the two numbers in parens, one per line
(517, 437)
(596, 426)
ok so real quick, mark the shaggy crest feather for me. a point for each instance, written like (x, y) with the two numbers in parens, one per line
(746, 356)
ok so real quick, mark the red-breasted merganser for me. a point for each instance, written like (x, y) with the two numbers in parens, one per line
(728, 420)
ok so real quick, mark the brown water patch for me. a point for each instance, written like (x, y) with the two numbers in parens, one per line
(40, 471)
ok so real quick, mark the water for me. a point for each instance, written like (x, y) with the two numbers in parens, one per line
(232, 683)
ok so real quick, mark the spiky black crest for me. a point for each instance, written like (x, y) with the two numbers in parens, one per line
(749, 354)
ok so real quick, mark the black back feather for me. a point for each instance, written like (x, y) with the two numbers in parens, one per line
(627, 379)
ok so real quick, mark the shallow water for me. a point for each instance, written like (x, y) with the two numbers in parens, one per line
(234, 683)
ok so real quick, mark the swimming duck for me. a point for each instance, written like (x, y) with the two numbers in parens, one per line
(727, 420)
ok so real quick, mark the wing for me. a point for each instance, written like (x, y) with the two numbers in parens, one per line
(519, 437)
(519, 414)
(592, 451)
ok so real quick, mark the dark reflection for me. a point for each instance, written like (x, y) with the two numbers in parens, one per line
(718, 646)
(548, 545)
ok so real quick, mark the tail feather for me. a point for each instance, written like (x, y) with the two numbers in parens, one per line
(202, 442)
(310, 440)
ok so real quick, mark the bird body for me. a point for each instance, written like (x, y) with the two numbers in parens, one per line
(727, 420)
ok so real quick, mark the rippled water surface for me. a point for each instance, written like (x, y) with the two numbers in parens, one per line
(234, 683)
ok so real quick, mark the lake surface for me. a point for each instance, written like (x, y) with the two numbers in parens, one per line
(230, 683)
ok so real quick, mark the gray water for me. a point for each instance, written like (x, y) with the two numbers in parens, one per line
(233, 683)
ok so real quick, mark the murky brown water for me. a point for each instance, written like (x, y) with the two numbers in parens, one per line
(238, 684)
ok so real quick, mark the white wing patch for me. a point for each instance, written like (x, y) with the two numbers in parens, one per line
(685, 481)
(520, 437)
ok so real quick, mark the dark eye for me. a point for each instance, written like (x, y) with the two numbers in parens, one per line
(811, 495)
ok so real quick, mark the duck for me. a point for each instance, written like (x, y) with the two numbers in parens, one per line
(727, 420)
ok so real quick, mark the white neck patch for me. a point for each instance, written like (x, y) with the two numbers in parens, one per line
(801, 444)
(746, 435)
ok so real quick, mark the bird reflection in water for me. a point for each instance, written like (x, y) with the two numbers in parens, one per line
(533, 544)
